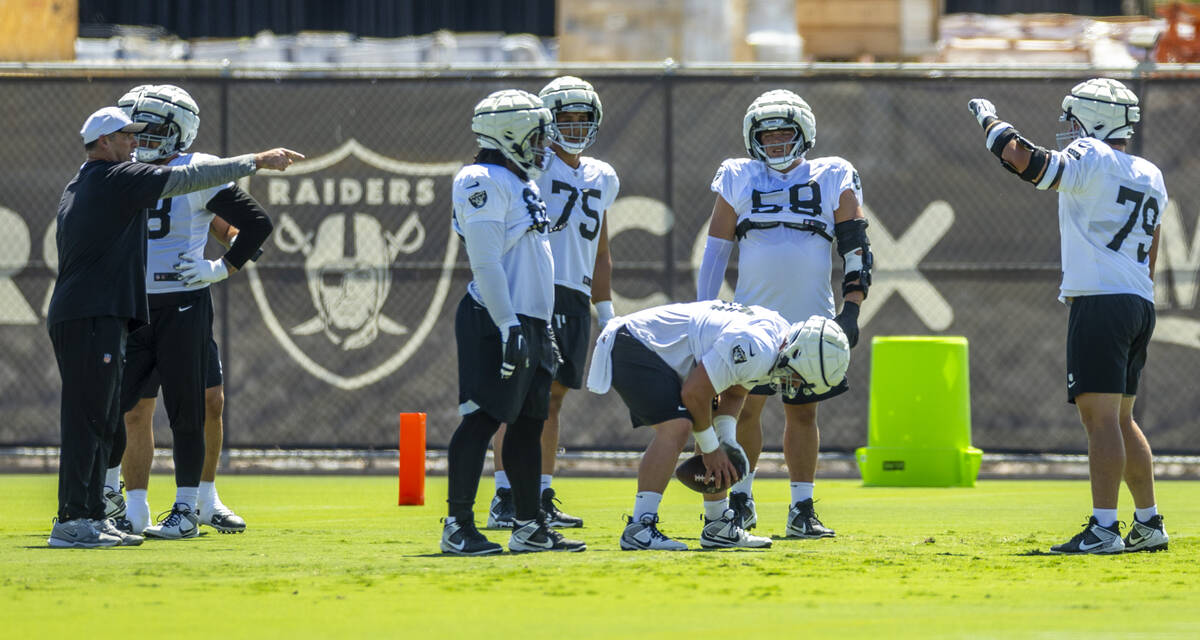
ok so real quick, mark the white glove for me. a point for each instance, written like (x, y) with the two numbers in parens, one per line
(981, 108)
(198, 272)
(604, 312)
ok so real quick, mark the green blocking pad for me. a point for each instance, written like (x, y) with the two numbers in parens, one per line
(919, 425)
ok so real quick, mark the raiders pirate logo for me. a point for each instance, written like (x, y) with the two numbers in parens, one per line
(331, 287)
(478, 199)
(739, 356)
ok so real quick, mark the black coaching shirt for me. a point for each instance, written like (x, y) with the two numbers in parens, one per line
(101, 241)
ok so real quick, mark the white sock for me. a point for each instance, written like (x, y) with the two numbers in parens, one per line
(112, 478)
(801, 491)
(745, 485)
(502, 481)
(207, 497)
(715, 509)
(546, 480)
(645, 502)
(187, 495)
(137, 509)
(1105, 517)
(1143, 515)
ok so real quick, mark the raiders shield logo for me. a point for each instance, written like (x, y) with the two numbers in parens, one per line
(345, 285)
(478, 199)
(739, 356)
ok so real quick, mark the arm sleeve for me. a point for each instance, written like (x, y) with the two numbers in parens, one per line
(712, 267)
(485, 243)
(202, 175)
(238, 208)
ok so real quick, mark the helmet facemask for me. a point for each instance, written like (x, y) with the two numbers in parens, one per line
(575, 135)
(158, 141)
(791, 148)
(772, 111)
(568, 94)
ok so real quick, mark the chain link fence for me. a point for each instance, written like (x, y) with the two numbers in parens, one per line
(347, 320)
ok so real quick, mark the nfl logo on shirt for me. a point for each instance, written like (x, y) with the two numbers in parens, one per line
(107, 358)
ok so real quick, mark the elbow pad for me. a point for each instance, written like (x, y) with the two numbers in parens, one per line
(1042, 163)
(857, 259)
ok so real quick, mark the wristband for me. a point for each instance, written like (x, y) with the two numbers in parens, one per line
(707, 440)
(604, 312)
(726, 427)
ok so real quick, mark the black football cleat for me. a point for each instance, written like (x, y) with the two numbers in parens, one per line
(554, 516)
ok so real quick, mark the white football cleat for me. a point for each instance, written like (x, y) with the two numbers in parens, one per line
(644, 535)
(727, 533)
(180, 522)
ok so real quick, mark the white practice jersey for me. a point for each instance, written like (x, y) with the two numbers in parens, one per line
(576, 200)
(1108, 208)
(177, 225)
(491, 193)
(782, 268)
(738, 345)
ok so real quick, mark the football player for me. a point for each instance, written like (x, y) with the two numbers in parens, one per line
(783, 211)
(578, 191)
(669, 362)
(507, 355)
(178, 340)
(1109, 203)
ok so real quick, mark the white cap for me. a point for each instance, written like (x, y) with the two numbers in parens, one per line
(108, 120)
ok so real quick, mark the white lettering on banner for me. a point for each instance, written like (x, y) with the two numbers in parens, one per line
(348, 259)
(896, 261)
(349, 191)
(16, 244)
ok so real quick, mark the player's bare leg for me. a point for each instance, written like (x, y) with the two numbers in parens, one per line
(555, 517)
(1146, 530)
(135, 465)
(801, 447)
(658, 463)
(1100, 414)
(209, 507)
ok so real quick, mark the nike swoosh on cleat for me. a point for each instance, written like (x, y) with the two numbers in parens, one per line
(457, 547)
(1083, 546)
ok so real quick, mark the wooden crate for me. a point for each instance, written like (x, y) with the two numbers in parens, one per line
(651, 30)
(38, 30)
(881, 29)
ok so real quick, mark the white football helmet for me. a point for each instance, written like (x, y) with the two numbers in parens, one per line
(814, 358)
(172, 114)
(516, 124)
(570, 94)
(1100, 108)
(779, 109)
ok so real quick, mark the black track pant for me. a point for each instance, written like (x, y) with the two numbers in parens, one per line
(522, 462)
(91, 361)
(176, 344)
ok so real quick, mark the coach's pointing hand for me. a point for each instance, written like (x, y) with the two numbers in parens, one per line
(277, 159)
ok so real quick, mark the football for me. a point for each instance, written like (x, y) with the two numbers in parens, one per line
(693, 475)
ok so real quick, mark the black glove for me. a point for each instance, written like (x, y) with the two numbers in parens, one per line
(515, 352)
(848, 321)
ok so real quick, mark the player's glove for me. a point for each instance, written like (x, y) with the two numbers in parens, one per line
(198, 272)
(848, 321)
(514, 350)
(982, 109)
